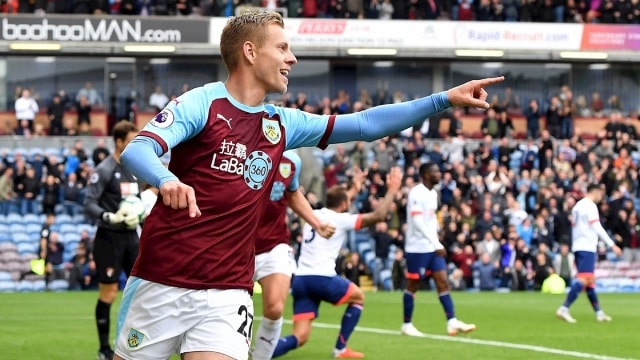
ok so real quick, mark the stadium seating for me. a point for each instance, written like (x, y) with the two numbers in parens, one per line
(385, 279)
(25, 286)
(7, 286)
(59, 285)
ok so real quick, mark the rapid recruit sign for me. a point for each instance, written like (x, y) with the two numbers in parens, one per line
(104, 29)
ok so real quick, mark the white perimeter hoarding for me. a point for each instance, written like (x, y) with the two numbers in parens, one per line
(401, 34)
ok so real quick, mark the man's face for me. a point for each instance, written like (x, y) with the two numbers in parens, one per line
(274, 60)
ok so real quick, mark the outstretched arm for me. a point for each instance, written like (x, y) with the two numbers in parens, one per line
(394, 181)
(381, 121)
(299, 204)
(602, 234)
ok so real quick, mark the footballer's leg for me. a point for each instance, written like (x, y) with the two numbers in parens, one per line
(585, 264)
(354, 297)
(305, 309)
(273, 271)
(416, 266)
(439, 274)
(108, 252)
(275, 289)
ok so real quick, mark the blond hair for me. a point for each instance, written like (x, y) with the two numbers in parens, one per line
(246, 27)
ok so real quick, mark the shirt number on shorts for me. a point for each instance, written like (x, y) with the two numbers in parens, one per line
(248, 321)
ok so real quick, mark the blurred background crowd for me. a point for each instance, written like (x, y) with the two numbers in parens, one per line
(505, 195)
(567, 11)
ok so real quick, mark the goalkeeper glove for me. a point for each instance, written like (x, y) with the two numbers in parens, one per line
(131, 220)
(112, 218)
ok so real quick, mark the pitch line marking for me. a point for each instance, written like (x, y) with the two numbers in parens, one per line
(501, 344)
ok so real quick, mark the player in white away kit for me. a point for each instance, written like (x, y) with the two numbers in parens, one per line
(586, 229)
(424, 252)
(316, 279)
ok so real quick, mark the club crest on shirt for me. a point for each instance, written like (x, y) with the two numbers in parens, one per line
(163, 120)
(271, 130)
(135, 338)
(285, 170)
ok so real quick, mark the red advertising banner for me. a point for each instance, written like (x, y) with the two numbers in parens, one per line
(610, 37)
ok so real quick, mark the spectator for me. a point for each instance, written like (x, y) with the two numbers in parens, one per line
(542, 269)
(83, 110)
(72, 194)
(520, 278)
(100, 152)
(158, 99)
(88, 92)
(456, 280)
(51, 194)
(490, 124)
(399, 271)
(487, 271)
(26, 109)
(564, 264)
(490, 246)
(354, 268)
(55, 112)
(54, 264)
(7, 193)
(464, 258)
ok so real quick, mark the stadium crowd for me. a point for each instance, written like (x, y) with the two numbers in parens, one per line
(568, 11)
(505, 202)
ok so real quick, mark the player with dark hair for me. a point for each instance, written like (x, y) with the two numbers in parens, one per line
(316, 279)
(116, 243)
(424, 252)
(190, 289)
(274, 261)
(586, 229)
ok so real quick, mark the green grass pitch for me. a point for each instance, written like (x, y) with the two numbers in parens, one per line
(510, 326)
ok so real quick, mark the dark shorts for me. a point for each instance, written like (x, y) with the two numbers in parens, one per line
(585, 262)
(114, 251)
(419, 263)
(309, 290)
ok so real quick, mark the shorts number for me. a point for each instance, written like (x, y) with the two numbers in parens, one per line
(248, 321)
(313, 236)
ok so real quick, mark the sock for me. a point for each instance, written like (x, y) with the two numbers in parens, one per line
(267, 338)
(102, 320)
(285, 345)
(576, 288)
(593, 298)
(447, 305)
(407, 301)
(349, 321)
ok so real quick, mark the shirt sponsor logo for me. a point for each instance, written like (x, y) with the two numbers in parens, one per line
(232, 158)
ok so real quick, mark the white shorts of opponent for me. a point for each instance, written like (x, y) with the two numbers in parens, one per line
(156, 321)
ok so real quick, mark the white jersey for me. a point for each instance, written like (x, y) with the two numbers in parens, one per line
(584, 216)
(422, 203)
(317, 254)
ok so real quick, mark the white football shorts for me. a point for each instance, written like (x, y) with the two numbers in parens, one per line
(156, 321)
(279, 260)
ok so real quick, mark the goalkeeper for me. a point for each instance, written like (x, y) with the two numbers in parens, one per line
(115, 246)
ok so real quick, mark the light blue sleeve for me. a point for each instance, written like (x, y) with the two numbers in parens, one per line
(297, 162)
(184, 117)
(385, 120)
(302, 129)
(179, 121)
(305, 129)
